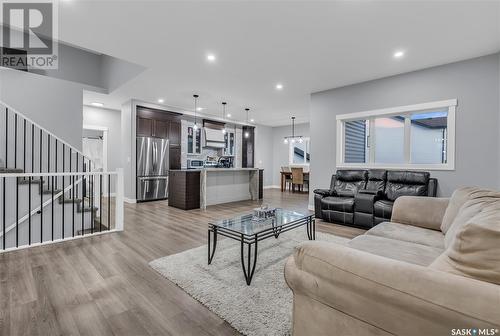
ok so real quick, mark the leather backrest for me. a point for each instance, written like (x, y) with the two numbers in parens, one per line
(376, 180)
(406, 183)
(350, 180)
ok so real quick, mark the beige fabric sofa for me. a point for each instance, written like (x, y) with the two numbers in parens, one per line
(433, 269)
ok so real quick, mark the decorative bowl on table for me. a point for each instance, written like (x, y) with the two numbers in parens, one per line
(263, 213)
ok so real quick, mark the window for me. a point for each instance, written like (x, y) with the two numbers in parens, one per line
(415, 136)
(299, 152)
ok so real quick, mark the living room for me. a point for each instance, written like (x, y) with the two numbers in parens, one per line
(250, 168)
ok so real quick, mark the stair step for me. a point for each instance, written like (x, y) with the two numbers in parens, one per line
(96, 228)
(69, 200)
(86, 208)
(4, 170)
(49, 191)
(27, 181)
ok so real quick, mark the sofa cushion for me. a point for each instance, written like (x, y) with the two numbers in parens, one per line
(396, 249)
(345, 204)
(406, 183)
(376, 180)
(457, 199)
(350, 181)
(475, 250)
(408, 233)
(477, 200)
(383, 209)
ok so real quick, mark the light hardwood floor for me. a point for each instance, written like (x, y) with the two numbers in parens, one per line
(103, 285)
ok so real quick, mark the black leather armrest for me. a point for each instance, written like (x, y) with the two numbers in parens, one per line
(363, 202)
(323, 192)
(433, 182)
(344, 193)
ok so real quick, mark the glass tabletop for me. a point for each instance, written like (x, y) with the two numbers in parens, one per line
(246, 225)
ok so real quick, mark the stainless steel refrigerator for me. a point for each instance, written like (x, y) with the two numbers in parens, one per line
(152, 168)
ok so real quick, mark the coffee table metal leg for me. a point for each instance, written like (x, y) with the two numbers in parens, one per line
(250, 268)
(211, 249)
(311, 229)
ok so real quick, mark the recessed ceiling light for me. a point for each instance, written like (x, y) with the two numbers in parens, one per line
(199, 109)
(251, 120)
(279, 86)
(161, 100)
(97, 104)
(228, 115)
(211, 57)
(399, 54)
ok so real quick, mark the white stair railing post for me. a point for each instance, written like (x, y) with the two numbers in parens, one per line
(119, 200)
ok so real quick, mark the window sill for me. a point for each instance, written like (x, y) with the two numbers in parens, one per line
(444, 167)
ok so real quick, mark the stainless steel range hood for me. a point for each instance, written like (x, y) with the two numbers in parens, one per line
(214, 138)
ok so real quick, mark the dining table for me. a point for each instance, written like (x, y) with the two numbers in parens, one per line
(285, 174)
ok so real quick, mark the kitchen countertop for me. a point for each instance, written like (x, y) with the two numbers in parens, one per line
(216, 169)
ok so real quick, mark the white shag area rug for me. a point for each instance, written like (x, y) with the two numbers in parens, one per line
(264, 307)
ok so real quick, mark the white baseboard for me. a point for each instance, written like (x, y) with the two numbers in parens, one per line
(272, 187)
(129, 200)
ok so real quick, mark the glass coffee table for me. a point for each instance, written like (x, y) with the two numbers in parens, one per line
(249, 232)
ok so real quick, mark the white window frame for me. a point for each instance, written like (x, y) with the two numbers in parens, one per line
(290, 154)
(406, 110)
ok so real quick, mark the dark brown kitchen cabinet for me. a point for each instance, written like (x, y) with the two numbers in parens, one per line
(175, 133)
(160, 129)
(175, 156)
(144, 127)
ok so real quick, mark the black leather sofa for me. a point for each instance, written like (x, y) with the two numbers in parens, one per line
(365, 198)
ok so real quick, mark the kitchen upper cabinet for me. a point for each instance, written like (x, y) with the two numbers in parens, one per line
(144, 127)
(175, 133)
(160, 129)
(193, 141)
(229, 143)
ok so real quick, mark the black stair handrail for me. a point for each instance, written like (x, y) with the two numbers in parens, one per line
(41, 151)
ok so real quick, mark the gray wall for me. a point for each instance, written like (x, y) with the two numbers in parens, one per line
(54, 104)
(111, 119)
(264, 152)
(475, 83)
(281, 150)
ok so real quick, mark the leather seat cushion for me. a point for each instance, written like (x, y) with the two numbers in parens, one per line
(406, 183)
(408, 233)
(383, 209)
(396, 249)
(344, 204)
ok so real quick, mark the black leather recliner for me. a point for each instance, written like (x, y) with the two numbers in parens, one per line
(365, 197)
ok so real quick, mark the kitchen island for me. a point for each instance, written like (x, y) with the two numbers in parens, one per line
(199, 188)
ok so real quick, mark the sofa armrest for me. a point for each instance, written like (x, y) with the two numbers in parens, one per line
(323, 192)
(426, 212)
(395, 296)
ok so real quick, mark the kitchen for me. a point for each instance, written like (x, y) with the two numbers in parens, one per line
(194, 162)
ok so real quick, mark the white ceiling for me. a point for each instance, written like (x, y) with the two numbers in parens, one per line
(307, 46)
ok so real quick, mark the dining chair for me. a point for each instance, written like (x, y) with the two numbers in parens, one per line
(297, 178)
(288, 178)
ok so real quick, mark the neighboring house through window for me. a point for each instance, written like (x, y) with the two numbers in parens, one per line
(413, 136)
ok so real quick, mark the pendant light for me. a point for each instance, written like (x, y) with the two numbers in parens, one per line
(292, 138)
(195, 127)
(247, 134)
(224, 116)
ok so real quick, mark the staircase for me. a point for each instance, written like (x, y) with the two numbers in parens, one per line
(48, 191)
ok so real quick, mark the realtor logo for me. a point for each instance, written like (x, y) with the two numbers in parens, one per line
(29, 34)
